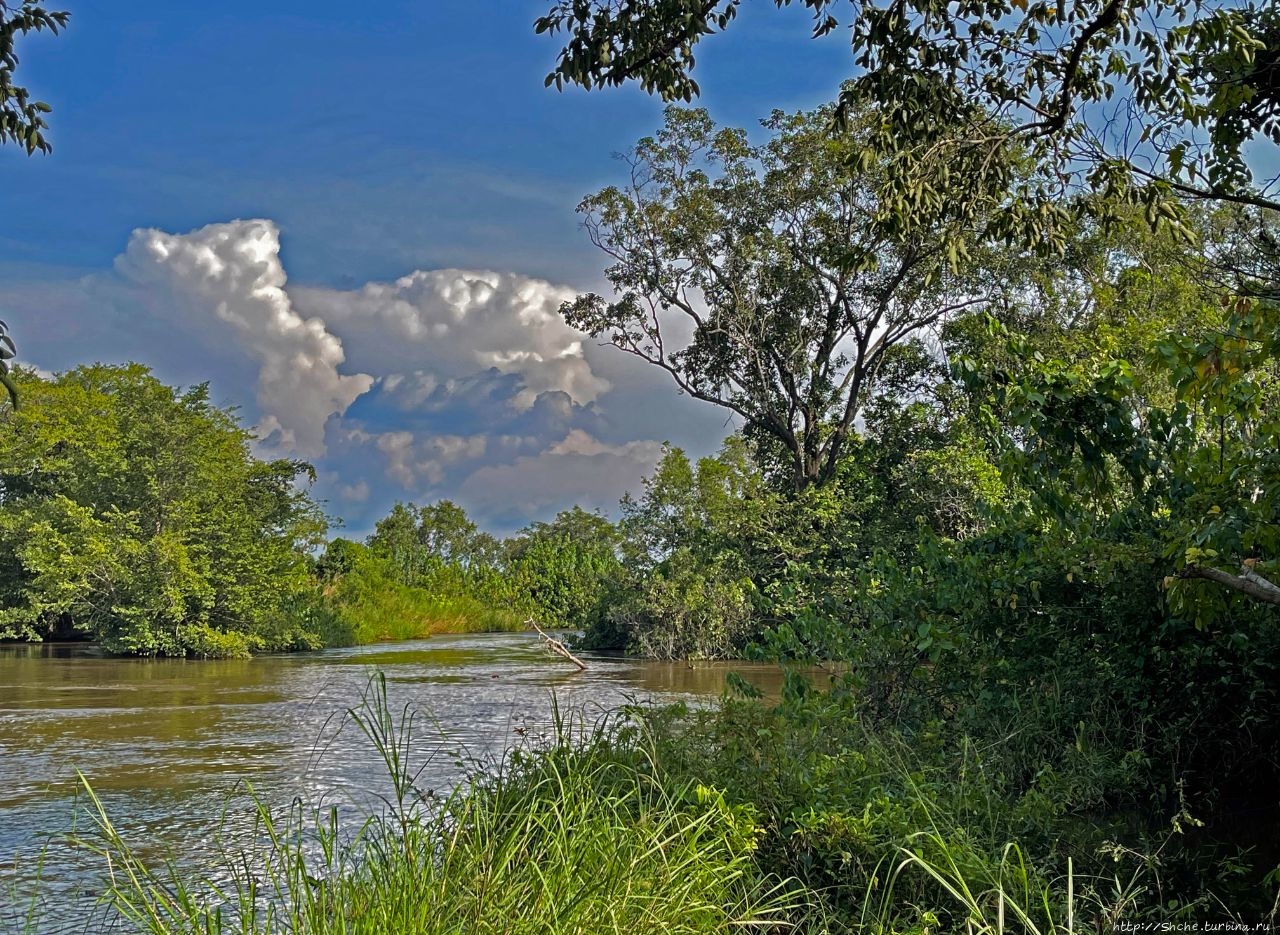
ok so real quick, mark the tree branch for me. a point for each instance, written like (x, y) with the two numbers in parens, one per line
(1211, 194)
(1248, 582)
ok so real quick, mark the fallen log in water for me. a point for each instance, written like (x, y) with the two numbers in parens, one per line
(556, 646)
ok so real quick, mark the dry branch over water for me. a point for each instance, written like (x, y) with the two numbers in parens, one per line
(557, 646)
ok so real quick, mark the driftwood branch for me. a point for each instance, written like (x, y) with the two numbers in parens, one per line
(556, 646)
(1247, 582)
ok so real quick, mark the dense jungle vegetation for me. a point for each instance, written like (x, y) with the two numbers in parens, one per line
(1040, 567)
(1008, 463)
(136, 515)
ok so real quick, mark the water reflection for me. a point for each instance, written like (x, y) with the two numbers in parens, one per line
(165, 742)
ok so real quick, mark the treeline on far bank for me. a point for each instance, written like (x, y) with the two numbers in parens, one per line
(136, 515)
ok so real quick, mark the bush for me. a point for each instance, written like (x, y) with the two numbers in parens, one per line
(135, 514)
(685, 611)
(790, 817)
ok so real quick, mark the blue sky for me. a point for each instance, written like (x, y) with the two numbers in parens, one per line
(369, 157)
(426, 128)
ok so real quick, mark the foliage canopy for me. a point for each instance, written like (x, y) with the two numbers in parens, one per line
(21, 118)
(773, 258)
(136, 514)
(1142, 99)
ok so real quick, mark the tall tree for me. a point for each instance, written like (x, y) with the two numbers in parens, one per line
(689, 548)
(566, 566)
(395, 537)
(445, 531)
(773, 258)
(414, 537)
(136, 514)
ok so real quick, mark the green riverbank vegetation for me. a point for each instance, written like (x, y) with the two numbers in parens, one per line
(133, 513)
(1006, 383)
(794, 817)
(1042, 550)
(136, 515)
(1027, 501)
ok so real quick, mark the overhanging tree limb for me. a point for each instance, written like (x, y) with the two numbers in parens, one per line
(7, 352)
(1198, 79)
(21, 118)
(1248, 582)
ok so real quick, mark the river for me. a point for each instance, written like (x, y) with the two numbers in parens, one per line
(167, 744)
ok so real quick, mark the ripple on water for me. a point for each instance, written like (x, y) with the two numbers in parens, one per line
(168, 744)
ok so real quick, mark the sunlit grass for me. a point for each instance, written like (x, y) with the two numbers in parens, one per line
(577, 837)
(657, 820)
(403, 613)
(431, 616)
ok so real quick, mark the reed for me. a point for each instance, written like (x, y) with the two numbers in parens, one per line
(578, 836)
(666, 820)
(406, 613)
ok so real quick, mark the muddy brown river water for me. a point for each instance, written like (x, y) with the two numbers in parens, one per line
(168, 743)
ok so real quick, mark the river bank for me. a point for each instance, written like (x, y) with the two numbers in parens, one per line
(165, 742)
(510, 792)
(775, 817)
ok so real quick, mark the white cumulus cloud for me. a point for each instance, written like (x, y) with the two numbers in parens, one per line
(440, 327)
(578, 469)
(233, 271)
(354, 493)
(454, 383)
(419, 463)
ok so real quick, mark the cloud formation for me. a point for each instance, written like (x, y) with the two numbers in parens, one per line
(460, 384)
(418, 463)
(578, 469)
(234, 271)
(445, 327)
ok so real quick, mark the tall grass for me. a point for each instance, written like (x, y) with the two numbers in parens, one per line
(657, 820)
(359, 616)
(427, 615)
(892, 832)
(21, 900)
(577, 837)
